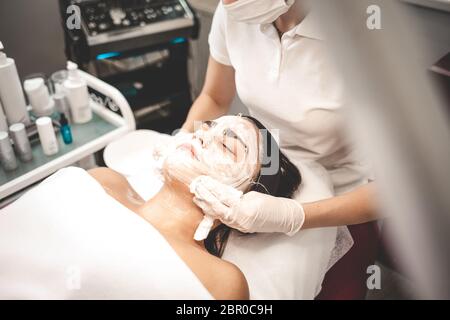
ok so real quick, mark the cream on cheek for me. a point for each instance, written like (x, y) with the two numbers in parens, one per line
(212, 159)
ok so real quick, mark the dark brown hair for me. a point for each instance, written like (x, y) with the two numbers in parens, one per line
(282, 184)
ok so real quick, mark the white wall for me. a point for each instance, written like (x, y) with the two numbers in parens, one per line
(32, 34)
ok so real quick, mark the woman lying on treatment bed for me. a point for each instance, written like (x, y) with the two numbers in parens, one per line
(229, 150)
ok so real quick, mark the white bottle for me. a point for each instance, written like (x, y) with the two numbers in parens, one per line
(3, 123)
(11, 92)
(47, 136)
(78, 95)
(39, 97)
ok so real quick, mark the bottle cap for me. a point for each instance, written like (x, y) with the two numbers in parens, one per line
(73, 70)
(34, 84)
(3, 135)
(17, 127)
(63, 120)
(43, 121)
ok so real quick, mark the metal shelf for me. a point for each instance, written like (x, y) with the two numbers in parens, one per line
(105, 127)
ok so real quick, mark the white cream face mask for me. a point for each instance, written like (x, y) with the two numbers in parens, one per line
(226, 150)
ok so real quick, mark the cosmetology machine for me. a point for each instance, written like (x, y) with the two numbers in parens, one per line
(138, 46)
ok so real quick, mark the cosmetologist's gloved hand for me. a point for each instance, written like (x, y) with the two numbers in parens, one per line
(250, 212)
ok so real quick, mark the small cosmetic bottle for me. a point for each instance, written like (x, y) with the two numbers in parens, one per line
(47, 136)
(66, 131)
(7, 156)
(62, 105)
(41, 102)
(21, 142)
(78, 95)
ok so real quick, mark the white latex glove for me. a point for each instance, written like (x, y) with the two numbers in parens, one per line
(250, 212)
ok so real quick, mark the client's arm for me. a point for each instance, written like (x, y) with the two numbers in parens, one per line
(228, 280)
(235, 285)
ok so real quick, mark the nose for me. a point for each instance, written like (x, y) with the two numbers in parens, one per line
(200, 136)
(204, 137)
(205, 126)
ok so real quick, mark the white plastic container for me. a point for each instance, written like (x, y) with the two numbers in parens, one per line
(21, 142)
(78, 95)
(11, 93)
(47, 136)
(3, 122)
(39, 97)
(7, 157)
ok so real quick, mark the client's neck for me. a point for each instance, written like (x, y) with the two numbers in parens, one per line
(173, 212)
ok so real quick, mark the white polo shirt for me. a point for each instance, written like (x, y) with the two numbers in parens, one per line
(289, 84)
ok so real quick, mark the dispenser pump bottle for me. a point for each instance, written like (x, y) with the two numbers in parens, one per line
(11, 93)
(77, 95)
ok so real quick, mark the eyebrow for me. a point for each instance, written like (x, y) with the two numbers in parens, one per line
(210, 123)
(230, 133)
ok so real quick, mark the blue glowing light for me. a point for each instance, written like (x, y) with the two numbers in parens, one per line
(107, 55)
(178, 40)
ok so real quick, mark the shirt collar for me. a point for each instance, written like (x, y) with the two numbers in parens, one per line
(307, 28)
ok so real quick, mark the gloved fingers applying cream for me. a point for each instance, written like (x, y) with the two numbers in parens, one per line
(215, 206)
(215, 192)
(250, 212)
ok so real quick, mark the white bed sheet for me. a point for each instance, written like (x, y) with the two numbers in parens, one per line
(68, 239)
(276, 266)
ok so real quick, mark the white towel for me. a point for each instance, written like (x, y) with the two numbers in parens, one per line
(68, 239)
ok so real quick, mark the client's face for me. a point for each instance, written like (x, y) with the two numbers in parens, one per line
(226, 149)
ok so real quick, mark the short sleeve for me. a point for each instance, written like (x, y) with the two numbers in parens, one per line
(217, 37)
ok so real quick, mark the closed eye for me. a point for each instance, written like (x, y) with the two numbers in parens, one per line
(210, 123)
(227, 148)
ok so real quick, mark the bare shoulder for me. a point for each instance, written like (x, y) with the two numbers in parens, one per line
(233, 283)
(117, 186)
(223, 279)
(106, 176)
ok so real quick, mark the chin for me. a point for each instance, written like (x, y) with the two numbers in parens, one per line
(177, 174)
